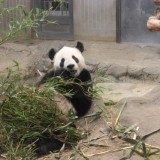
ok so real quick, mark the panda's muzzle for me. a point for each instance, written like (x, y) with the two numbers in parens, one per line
(71, 69)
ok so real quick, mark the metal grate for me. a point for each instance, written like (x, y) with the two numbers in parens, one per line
(60, 12)
(58, 8)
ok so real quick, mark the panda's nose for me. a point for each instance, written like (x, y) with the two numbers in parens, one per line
(70, 66)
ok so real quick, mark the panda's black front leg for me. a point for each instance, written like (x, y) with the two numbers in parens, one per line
(84, 76)
(80, 99)
(81, 102)
(46, 77)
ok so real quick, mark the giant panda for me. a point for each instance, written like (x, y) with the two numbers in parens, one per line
(69, 63)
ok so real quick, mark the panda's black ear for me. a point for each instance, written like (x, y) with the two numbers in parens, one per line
(51, 54)
(80, 46)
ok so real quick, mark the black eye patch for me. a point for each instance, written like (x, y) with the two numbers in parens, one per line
(76, 59)
(62, 63)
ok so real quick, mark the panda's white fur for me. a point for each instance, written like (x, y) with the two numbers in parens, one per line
(67, 53)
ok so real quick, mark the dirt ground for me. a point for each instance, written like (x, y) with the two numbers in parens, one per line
(127, 73)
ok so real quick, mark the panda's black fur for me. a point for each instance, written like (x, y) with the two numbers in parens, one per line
(80, 100)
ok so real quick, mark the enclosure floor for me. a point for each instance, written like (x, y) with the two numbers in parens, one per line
(133, 72)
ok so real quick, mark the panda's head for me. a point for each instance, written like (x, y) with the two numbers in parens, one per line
(69, 58)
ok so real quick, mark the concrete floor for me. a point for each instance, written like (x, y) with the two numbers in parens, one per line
(134, 72)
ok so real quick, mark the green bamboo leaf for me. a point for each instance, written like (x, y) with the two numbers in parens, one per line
(139, 153)
(137, 145)
(154, 153)
(130, 140)
(144, 149)
(131, 128)
(149, 134)
(2, 1)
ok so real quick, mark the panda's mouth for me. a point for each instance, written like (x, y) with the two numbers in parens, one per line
(73, 71)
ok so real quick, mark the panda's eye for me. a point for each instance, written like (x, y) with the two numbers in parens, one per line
(76, 59)
(62, 63)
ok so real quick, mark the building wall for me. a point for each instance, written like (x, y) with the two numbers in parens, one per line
(95, 19)
(133, 17)
(11, 3)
